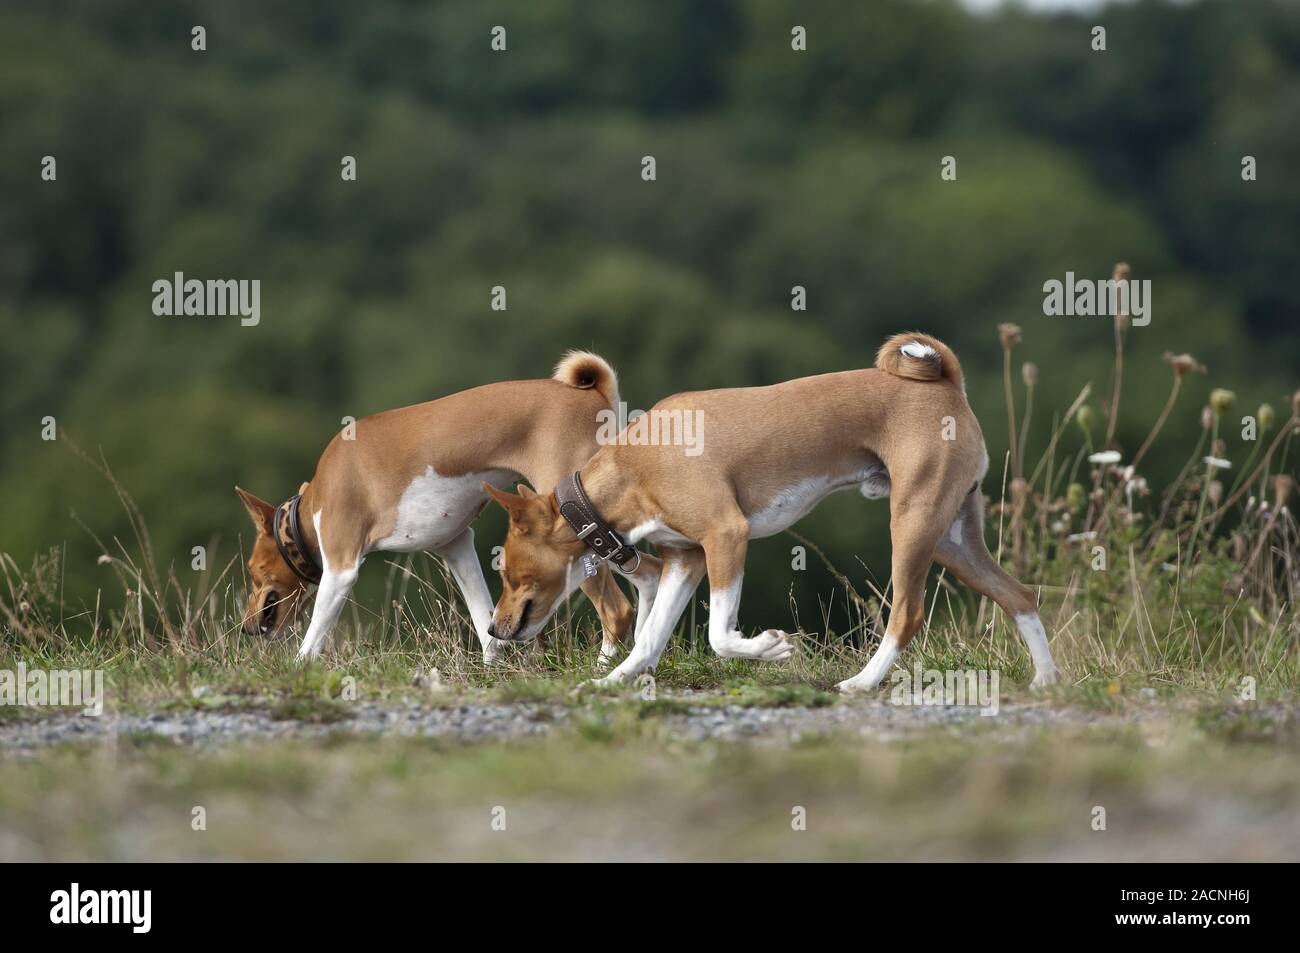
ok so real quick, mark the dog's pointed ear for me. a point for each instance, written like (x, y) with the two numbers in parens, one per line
(525, 491)
(262, 512)
(508, 500)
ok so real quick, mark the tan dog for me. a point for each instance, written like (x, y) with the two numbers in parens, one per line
(769, 454)
(412, 479)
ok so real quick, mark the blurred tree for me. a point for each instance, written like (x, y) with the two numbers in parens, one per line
(478, 168)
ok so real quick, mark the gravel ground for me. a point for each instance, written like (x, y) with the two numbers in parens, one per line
(475, 723)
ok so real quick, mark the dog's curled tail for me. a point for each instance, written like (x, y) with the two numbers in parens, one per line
(587, 371)
(918, 357)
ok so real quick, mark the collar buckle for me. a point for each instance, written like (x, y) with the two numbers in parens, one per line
(600, 538)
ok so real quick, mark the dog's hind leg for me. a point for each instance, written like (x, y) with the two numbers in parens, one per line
(725, 549)
(915, 525)
(963, 552)
(462, 562)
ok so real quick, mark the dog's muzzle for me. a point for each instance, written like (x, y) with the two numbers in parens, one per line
(262, 622)
(520, 626)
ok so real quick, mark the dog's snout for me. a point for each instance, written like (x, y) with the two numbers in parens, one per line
(270, 607)
(513, 624)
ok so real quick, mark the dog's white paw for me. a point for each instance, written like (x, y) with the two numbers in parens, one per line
(772, 645)
(492, 651)
(1044, 678)
(851, 686)
(613, 680)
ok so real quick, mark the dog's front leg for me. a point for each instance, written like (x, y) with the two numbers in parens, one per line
(646, 580)
(725, 551)
(614, 611)
(332, 593)
(462, 563)
(681, 574)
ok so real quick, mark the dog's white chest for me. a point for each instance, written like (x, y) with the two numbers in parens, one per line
(433, 510)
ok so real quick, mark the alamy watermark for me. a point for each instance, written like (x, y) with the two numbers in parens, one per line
(652, 428)
(178, 295)
(1083, 297)
(977, 688)
(59, 688)
(76, 905)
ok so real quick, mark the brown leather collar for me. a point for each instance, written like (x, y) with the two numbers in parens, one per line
(601, 538)
(293, 549)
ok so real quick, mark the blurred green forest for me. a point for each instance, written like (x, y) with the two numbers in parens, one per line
(523, 168)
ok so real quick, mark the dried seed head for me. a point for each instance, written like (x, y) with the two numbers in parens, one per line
(1121, 271)
(1075, 496)
(1029, 372)
(1216, 492)
(1283, 484)
(1084, 417)
(1221, 400)
(1207, 418)
(1239, 548)
(1183, 363)
(1266, 416)
(1009, 334)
